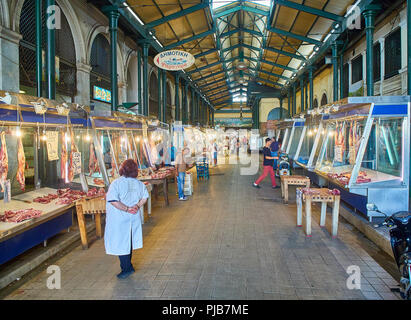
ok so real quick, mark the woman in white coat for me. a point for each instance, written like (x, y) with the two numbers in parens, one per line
(125, 197)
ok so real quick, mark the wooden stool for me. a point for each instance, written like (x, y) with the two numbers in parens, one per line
(292, 180)
(95, 207)
(319, 195)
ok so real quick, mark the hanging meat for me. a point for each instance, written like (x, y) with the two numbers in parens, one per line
(93, 164)
(4, 160)
(63, 160)
(71, 165)
(21, 164)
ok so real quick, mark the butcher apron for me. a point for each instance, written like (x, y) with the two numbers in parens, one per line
(124, 229)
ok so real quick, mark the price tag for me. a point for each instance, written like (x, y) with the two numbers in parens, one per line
(52, 145)
(76, 163)
(338, 153)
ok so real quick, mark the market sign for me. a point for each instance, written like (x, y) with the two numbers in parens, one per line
(52, 145)
(101, 94)
(174, 60)
(76, 156)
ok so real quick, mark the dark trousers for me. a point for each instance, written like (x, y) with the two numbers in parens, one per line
(125, 261)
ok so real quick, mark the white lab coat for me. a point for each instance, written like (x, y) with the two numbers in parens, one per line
(124, 228)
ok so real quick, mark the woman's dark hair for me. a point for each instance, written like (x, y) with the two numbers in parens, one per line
(129, 169)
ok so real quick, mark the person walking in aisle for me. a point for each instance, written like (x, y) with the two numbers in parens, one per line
(275, 147)
(181, 166)
(215, 152)
(268, 164)
(123, 232)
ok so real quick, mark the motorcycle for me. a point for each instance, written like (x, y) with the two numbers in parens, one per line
(400, 238)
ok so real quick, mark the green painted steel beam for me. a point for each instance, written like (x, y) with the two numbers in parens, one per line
(278, 65)
(216, 88)
(211, 83)
(268, 81)
(187, 40)
(177, 15)
(295, 36)
(246, 30)
(241, 8)
(274, 74)
(212, 75)
(204, 68)
(205, 53)
(314, 11)
(286, 53)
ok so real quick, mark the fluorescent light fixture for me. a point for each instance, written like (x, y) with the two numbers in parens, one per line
(352, 8)
(134, 14)
(327, 37)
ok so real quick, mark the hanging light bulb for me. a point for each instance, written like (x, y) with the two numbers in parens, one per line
(43, 136)
(87, 138)
(18, 132)
(67, 138)
(138, 139)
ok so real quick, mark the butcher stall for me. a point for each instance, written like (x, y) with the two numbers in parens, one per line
(362, 148)
(40, 159)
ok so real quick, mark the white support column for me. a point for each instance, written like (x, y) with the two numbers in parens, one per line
(83, 84)
(9, 60)
(404, 58)
(349, 75)
(382, 54)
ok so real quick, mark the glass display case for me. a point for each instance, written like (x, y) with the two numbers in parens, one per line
(364, 151)
(302, 156)
(284, 131)
(296, 134)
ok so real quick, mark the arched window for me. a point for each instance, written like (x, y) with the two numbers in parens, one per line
(324, 100)
(315, 103)
(153, 104)
(100, 64)
(66, 83)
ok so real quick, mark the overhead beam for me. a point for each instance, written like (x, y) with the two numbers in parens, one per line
(311, 10)
(239, 8)
(295, 36)
(187, 40)
(246, 30)
(286, 53)
(205, 53)
(278, 65)
(204, 68)
(177, 15)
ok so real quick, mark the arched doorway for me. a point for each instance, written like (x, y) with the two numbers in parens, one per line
(66, 81)
(324, 100)
(153, 101)
(315, 103)
(100, 72)
(132, 80)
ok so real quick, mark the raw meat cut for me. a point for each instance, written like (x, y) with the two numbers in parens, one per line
(4, 161)
(21, 164)
(63, 161)
(98, 182)
(46, 199)
(93, 192)
(19, 215)
(93, 164)
(71, 166)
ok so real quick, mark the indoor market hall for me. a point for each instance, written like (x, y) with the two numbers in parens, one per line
(228, 154)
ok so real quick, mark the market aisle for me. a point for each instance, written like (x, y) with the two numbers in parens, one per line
(229, 241)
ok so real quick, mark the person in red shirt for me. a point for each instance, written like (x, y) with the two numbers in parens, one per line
(268, 164)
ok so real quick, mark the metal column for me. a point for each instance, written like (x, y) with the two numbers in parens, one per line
(310, 77)
(281, 108)
(177, 97)
(160, 93)
(185, 110)
(140, 100)
(51, 56)
(289, 101)
(164, 108)
(335, 70)
(39, 53)
(146, 45)
(369, 16)
(294, 99)
(113, 15)
(302, 93)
